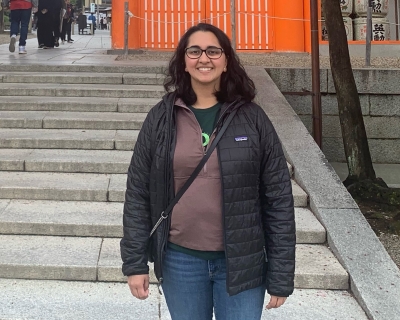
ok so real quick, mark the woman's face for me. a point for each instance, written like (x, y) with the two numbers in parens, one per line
(203, 70)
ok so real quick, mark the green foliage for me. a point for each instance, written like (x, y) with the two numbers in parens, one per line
(77, 3)
(6, 17)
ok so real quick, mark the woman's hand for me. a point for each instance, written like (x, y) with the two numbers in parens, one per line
(275, 302)
(139, 285)
(44, 11)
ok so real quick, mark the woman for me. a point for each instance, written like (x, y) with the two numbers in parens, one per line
(67, 22)
(231, 236)
(49, 23)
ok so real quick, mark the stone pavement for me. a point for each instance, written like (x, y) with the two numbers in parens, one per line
(86, 49)
(32, 299)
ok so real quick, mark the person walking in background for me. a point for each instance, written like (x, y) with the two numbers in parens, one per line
(34, 22)
(67, 22)
(108, 23)
(20, 16)
(93, 19)
(49, 23)
(82, 22)
(222, 236)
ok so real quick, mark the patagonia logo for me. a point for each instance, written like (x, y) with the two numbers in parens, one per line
(241, 139)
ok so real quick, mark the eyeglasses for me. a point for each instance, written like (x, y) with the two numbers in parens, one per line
(211, 52)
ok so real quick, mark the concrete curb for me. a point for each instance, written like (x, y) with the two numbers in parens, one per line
(375, 279)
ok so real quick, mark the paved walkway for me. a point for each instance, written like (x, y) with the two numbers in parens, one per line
(86, 49)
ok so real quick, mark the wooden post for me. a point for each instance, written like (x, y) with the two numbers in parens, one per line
(396, 20)
(316, 97)
(369, 35)
(233, 23)
(126, 25)
(98, 15)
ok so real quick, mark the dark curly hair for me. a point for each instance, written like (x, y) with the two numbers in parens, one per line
(235, 83)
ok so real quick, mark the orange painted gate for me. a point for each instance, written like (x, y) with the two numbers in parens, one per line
(163, 22)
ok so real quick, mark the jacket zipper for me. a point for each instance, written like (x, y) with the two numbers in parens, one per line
(265, 254)
(222, 199)
(223, 218)
(164, 235)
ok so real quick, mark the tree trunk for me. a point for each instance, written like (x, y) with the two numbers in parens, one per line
(355, 141)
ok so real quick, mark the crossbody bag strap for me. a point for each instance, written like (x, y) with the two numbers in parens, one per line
(166, 212)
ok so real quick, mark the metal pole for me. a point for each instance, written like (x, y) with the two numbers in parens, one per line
(369, 35)
(233, 23)
(316, 97)
(396, 19)
(98, 14)
(126, 23)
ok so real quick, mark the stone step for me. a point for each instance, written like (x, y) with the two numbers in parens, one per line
(151, 67)
(61, 77)
(41, 300)
(65, 160)
(54, 186)
(90, 259)
(80, 187)
(79, 90)
(82, 78)
(68, 160)
(67, 139)
(76, 104)
(71, 120)
(99, 219)
(118, 186)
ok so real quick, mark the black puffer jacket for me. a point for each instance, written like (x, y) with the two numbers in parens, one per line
(257, 199)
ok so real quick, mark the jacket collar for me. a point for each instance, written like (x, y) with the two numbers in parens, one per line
(171, 99)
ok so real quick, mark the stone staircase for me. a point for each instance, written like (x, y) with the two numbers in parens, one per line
(66, 140)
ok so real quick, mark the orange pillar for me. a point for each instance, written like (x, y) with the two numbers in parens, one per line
(135, 24)
(307, 25)
(289, 34)
(117, 28)
(117, 24)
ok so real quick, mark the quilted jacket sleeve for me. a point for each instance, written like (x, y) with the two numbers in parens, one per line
(277, 211)
(136, 218)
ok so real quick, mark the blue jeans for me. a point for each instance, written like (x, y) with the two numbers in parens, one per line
(193, 287)
(17, 18)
